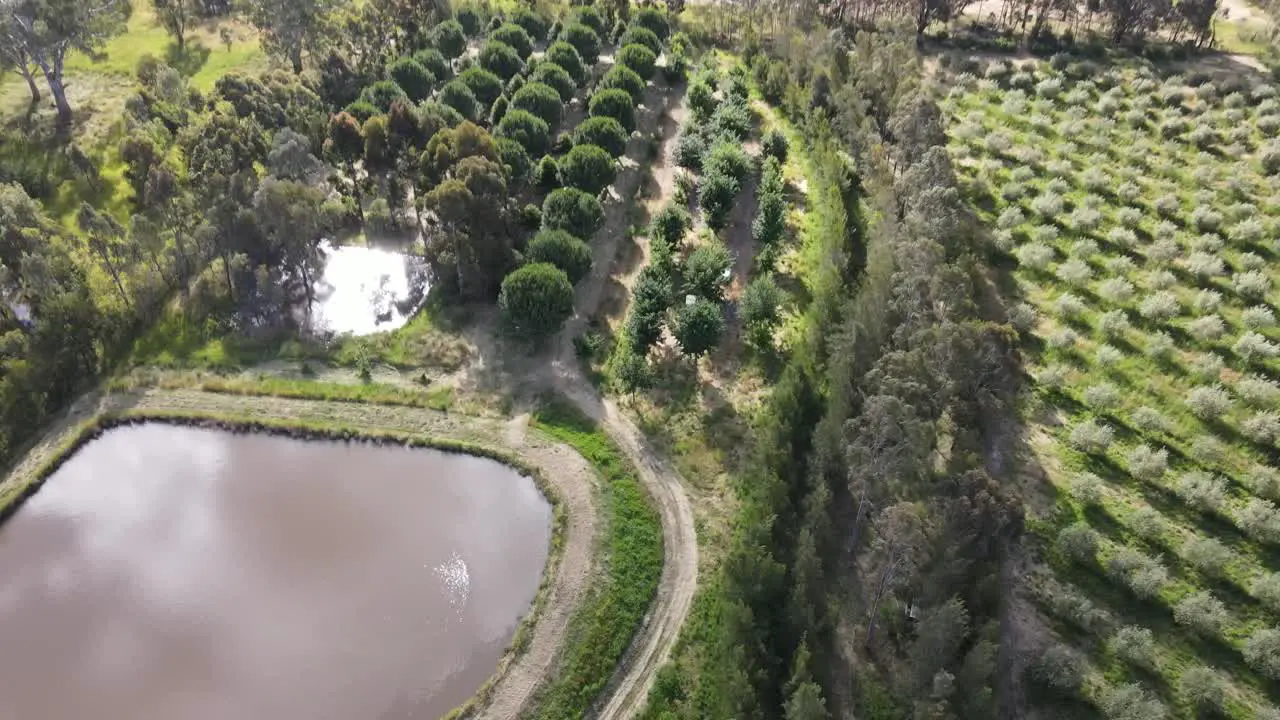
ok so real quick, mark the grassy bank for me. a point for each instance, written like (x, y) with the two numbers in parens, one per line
(603, 628)
(440, 398)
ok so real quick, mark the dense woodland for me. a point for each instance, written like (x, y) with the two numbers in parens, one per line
(879, 530)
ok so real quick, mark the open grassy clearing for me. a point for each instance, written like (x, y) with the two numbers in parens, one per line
(1135, 211)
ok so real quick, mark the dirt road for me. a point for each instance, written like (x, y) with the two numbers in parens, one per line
(654, 640)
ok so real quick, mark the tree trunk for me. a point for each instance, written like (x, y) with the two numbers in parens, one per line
(226, 269)
(115, 275)
(53, 76)
(31, 82)
(875, 604)
(295, 57)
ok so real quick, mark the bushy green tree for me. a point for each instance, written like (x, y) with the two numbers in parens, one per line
(516, 37)
(588, 168)
(434, 62)
(702, 100)
(583, 39)
(500, 59)
(486, 86)
(572, 210)
(557, 77)
(669, 226)
(653, 20)
(727, 158)
(532, 22)
(621, 77)
(760, 309)
(382, 93)
(706, 272)
(639, 35)
(566, 56)
(536, 299)
(616, 104)
(639, 58)
(455, 94)
(589, 16)
(539, 99)
(604, 132)
(471, 18)
(416, 81)
(716, 197)
(698, 327)
(514, 158)
(563, 250)
(527, 129)
(449, 39)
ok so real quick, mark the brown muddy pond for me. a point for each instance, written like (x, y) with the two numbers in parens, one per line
(193, 574)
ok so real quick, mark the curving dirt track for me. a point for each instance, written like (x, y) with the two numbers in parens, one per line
(651, 647)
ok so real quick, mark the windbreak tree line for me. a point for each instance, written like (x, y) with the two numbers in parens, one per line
(848, 517)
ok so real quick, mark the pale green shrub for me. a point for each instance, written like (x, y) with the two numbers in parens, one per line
(1122, 236)
(1084, 249)
(1258, 391)
(1208, 555)
(1148, 419)
(1260, 519)
(1091, 437)
(1074, 272)
(1159, 346)
(1208, 403)
(1207, 366)
(1204, 689)
(1205, 265)
(1258, 317)
(1130, 702)
(1266, 588)
(1262, 652)
(1102, 396)
(1087, 488)
(1254, 346)
(1207, 301)
(1116, 290)
(1113, 323)
(1037, 256)
(1069, 306)
(1201, 612)
(1163, 251)
(1107, 356)
(1011, 218)
(1159, 306)
(1262, 427)
(1134, 645)
(1147, 464)
(1207, 328)
(1078, 541)
(1202, 490)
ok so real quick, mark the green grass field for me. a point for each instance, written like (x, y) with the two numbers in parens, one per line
(1136, 213)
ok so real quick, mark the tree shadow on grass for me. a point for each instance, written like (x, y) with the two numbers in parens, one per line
(187, 60)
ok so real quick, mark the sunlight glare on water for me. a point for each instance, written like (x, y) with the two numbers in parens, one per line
(362, 291)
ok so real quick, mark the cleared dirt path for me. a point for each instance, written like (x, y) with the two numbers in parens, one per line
(654, 640)
(571, 479)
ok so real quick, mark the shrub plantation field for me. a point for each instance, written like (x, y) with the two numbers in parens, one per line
(1133, 214)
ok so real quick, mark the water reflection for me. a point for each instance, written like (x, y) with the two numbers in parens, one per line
(365, 290)
(170, 572)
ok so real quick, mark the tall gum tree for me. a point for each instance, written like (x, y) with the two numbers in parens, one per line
(47, 30)
(290, 27)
